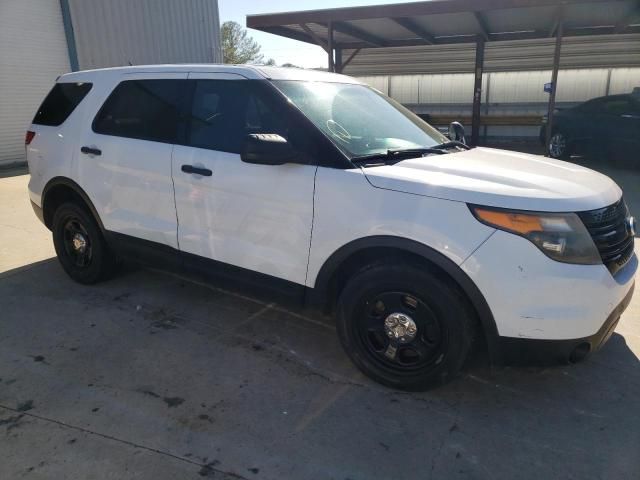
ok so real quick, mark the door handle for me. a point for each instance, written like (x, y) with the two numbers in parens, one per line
(205, 172)
(91, 151)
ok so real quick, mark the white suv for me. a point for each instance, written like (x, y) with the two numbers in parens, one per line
(318, 188)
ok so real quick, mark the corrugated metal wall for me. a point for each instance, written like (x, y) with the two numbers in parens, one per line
(33, 52)
(504, 93)
(624, 80)
(122, 32)
(577, 52)
(445, 88)
(574, 85)
(379, 82)
(405, 60)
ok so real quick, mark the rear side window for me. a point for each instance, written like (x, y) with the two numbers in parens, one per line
(61, 101)
(145, 110)
(618, 106)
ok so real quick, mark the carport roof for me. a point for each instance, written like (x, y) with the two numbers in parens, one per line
(451, 21)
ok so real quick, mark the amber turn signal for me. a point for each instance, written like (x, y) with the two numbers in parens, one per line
(514, 222)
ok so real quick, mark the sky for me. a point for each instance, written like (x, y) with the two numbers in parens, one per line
(281, 49)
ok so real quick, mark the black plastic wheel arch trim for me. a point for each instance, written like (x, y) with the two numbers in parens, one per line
(318, 296)
(67, 182)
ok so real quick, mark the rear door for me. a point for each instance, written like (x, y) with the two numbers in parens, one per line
(257, 217)
(125, 156)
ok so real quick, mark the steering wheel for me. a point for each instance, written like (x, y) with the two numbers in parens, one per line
(212, 117)
(338, 131)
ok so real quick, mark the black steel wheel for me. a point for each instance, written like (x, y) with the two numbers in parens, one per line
(80, 246)
(77, 243)
(405, 327)
(400, 331)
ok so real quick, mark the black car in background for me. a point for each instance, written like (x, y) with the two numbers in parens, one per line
(607, 128)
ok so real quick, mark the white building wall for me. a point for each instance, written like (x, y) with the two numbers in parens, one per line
(624, 80)
(518, 87)
(379, 82)
(580, 85)
(446, 88)
(122, 32)
(405, 88)
(33, 52)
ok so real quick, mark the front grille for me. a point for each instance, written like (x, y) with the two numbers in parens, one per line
(610, 231)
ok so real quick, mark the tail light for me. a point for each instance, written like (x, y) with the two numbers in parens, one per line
(28, 137)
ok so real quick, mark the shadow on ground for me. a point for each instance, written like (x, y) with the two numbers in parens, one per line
(179, 380)
(13, 170)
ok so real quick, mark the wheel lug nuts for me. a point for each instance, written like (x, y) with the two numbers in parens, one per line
(400, 327)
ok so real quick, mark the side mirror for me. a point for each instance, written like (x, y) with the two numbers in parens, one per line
(267, 149)
(456, 132)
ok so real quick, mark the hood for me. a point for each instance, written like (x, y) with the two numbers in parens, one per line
(499, 178)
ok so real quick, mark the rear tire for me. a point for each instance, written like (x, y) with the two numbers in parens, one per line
(405, 327)
(80, 245)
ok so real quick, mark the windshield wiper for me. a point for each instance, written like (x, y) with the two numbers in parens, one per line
(451, 144)
(395, 155)
(416, 151)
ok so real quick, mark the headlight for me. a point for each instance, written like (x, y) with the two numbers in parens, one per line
(560, 236)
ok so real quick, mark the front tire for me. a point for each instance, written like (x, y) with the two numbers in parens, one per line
(80, 246)
(559, 146)
(405, 327)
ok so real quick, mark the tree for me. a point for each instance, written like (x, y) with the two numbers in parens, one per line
(237, 46)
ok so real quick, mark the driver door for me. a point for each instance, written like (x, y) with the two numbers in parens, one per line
(256, 217)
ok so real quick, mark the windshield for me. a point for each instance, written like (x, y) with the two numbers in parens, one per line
(360, 120)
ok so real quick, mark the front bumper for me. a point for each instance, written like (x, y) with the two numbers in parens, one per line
(534, 298)
(530, 351)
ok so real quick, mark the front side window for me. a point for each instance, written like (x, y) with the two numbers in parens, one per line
(224, 112)
(145, 110)
(358, 119)
(60, 103)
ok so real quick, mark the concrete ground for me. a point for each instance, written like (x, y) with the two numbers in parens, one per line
(151, 376)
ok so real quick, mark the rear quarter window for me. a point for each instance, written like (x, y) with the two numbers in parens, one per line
(60, 103)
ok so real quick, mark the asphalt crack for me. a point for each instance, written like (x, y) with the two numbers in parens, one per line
(12, 422)
(445, 437)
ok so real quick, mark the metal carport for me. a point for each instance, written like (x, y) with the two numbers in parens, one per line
(442, 22)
